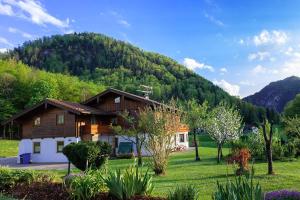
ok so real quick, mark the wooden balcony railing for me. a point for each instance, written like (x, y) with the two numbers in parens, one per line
(96, 129)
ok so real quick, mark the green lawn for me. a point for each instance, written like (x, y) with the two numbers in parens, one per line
(204, 174)
(8, 148)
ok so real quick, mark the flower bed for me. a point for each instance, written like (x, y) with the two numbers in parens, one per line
(283, 195)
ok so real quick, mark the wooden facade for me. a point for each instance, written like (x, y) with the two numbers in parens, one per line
(87, 120)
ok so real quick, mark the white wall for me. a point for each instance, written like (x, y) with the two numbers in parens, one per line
(147, 153)
(48, 149)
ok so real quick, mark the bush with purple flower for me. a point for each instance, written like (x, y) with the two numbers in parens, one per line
(283, 195)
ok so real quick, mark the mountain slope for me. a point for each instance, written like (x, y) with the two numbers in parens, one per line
(115, 63)
(109, 62)
(277, 94)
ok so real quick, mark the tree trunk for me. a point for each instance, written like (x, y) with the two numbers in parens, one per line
(268, 145)
(139, 151)
(219, 153)
(196, 147)
(269, 157)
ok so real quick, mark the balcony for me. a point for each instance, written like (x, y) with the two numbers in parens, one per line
(95, 129)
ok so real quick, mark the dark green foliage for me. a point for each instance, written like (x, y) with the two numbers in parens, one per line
(241, 188)
(132, 182)
(87, 154)
(292, 109)
(186, 192)
(109, 62)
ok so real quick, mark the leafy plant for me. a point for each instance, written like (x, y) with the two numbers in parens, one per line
(86, 186)
(242, 188)
(11, 177)
(132, 182)
(241, 157)
(87, 154)
(186, 192)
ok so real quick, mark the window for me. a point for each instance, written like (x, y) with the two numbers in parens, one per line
(37, 121)
(117, 100)
(36, 147)
(59, 146)
(114, 121)
(60, 119)
(93, 120)
(181, 137)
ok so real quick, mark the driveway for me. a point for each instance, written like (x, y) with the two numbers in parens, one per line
(12, 163)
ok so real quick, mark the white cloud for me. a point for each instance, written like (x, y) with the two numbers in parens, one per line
(3, 50)
(123, 23)
(242, 41)
(247, 83)
(213, 19)
(17, 31)
(232, 89)
(5, 42)
(32, 11)
(259, 69)
(259, 56)
(270, 37)
(6, 10)
(223, 69)
(192, 64)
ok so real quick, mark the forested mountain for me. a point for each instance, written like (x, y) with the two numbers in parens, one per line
(277, 94)
(110, 62)
(22, 86)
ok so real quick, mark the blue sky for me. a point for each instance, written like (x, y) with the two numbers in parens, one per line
(239, 45)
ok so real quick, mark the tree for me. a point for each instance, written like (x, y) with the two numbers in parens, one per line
(160, 123)
(132, 130)
(195, 117)
(292, 126)
(224, 124)
(268, 121)
(293, 107)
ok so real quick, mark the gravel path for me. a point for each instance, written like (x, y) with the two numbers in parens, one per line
(12, 163)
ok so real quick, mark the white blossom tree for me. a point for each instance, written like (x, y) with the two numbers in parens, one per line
(223, 125)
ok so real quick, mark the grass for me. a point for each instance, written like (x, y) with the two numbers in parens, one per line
(8, 148)
(182, 169)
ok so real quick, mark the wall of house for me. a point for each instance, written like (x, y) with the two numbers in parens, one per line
(48, 152)
(175, 143)
(48, 126)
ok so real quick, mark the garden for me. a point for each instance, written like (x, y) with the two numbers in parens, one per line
(227, 163)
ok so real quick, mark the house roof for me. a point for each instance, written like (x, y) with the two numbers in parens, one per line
(128, 95)
(75, 108)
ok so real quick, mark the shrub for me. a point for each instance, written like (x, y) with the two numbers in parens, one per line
(242, 188)
(241, 157)
(186, 192)
(283, 195)
(131, 183)
(10, 177)
(85, 155)
(86, 186)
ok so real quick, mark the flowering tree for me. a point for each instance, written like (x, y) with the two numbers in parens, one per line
(160, 123)
(195, 117)
(224, 124)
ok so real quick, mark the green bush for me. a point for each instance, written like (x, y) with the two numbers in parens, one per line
(86, 186)
(242, 188)
(187, 192)
(85, 155)
(132, 182)
(10, 177)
